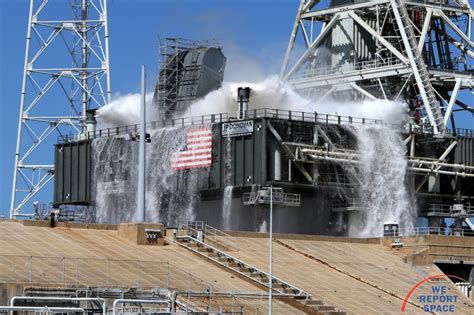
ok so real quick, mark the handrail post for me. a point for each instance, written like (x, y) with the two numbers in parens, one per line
(138, 273)
(77, 271)
(31, 269)
(108, 271)
(64, 270)
(168, 274)
(189, 284)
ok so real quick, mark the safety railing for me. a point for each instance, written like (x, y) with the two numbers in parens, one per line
(335, 179)
(310, 117)
(450, 210)
(347, 68)
(297, 291)
(348, 203)
(462, 132)
(278, 198)
(425, 231)
(313, 117)
(218, 237)
(211, 235)
(99, 272)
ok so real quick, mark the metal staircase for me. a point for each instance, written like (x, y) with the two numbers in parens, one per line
(196, 242)
(419, 66)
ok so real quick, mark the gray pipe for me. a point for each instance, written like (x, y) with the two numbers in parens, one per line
(52, 298)
(43, 309)
(121, 301)
(174, 295)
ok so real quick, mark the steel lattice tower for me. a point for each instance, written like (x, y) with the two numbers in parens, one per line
(417, 51)
(66, 73)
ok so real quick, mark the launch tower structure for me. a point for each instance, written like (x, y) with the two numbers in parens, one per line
(418, 51)
(66, 74)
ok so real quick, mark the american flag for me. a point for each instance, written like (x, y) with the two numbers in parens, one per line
(198, 150)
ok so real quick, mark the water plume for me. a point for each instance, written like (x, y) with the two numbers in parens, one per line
(273, 93)
(124, 110)
(382, 179)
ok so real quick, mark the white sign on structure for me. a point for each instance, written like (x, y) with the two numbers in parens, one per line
(237, 128)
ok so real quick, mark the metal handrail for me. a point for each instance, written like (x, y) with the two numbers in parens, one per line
(210, 231)
(425, 231)
(291, 286)
(354, 67)
(73, 270)
(350, 202)
(314, 117)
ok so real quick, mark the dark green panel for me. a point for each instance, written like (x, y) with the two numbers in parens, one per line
(249, 160)
(239, 159)
(258, 145)
(72, 178)
(82, 173)
(74, 172)
(67, 173)
(247, 156)
(464, 151)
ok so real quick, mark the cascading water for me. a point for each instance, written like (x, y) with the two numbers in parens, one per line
(227, 207)
(227, 198)
(170, 195)
(382, 187)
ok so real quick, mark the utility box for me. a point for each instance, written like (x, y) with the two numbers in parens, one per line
(143, 233)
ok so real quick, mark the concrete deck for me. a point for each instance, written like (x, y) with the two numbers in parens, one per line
(358, 276)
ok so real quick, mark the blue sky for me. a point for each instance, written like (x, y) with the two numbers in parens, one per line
(254, 34)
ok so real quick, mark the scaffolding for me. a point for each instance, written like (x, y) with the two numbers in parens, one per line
(171, 76)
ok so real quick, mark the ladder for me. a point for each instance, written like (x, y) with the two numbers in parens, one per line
(260, 277)
(419, 66)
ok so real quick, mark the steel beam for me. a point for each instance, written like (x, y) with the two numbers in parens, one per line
(348, 77)
(424, 31)
(289, 152)
(375, 34)
(85, 38)
(414, 66)
(452, 101)
(291, 43)
(339, 9)
(362, 91)
(454, 27)
(311, 48)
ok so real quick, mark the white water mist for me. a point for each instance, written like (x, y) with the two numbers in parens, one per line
(227, 208)
(382, 187)
(227, 197)
(273, 93)
(124, 110)
(170, 195)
